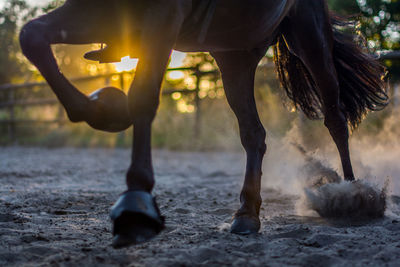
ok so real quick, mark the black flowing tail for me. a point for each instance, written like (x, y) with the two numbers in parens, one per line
(360, 76)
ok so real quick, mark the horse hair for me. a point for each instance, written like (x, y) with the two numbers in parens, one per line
(360, 75)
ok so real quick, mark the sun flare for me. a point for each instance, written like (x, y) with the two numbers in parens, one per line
(129, 64)
(126, 64)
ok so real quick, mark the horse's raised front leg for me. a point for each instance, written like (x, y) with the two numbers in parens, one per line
(238, 71)
(136, 216)
(71, 24)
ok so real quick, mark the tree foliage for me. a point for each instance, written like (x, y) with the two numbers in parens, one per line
(344, 7)
(379, 23)
(13, 14)
(379, 20)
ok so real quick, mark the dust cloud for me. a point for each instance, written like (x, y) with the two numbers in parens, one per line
(313, 173)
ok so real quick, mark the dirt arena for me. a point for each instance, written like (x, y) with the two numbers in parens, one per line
(54, 206)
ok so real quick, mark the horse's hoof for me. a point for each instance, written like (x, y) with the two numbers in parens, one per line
(245, 225)
(109, 110)
(133, 234)
(136, 218)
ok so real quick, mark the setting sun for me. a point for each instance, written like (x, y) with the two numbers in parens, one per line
(126, 64)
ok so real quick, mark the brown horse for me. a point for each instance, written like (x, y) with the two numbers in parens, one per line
(321, 66)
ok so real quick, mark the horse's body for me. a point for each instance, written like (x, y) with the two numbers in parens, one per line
(227, 30)
(323, 71)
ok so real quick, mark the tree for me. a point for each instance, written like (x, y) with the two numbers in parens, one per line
(13, 14)
(379, 23)
(344, 7)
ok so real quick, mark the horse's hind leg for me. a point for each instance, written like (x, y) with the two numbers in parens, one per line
(238, 70)
(308, 34)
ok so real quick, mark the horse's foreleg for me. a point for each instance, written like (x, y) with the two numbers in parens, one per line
(238, 70)
(140, 219)
(143, 103)
(37, 49)
(69, 24)
(35, 39)
(143, 96)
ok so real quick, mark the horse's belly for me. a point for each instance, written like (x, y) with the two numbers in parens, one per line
(238, 25)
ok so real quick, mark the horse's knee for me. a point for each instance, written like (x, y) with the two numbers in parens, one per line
(253, 139)
(32, 38)
(143, 107)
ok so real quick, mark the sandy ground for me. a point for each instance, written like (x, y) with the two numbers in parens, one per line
(54, 211)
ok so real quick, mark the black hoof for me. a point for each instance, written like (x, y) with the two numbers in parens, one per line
(136, 219)
(134, 232)
(245, 225)
(109, 110)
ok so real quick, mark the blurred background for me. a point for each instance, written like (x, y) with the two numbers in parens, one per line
(194, 114)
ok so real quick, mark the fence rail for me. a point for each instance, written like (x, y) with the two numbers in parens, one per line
(195, 71)
(10, 105)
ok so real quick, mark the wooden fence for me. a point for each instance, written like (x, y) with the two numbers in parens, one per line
(12, 102)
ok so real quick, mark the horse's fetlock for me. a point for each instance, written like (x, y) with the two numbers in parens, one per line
(140, 179)
(140, 172)
(250, 194)
(251, 202)
(75, 117)
(78, 113)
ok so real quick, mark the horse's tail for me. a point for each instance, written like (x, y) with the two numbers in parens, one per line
(360, 76)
